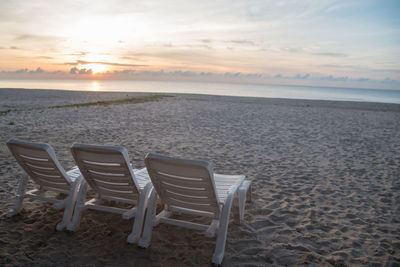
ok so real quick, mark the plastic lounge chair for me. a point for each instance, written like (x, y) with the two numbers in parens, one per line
(107, 170)
(40, 163)
(191, 187)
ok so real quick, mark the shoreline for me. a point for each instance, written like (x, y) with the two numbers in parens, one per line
(324, 178)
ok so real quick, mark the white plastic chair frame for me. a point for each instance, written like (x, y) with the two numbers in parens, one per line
(41, 165)
(107, 170)
(190, 186)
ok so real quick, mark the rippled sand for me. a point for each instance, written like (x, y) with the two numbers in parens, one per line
(326, 187)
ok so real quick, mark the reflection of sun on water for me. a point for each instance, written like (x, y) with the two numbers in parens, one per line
(95, 86)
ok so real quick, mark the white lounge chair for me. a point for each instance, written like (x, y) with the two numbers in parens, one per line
(40, 163)
(107, 170)
(190, 186)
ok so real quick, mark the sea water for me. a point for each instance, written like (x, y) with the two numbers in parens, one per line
(231, 89)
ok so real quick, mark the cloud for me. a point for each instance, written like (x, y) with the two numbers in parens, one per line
(242, 42)
(38, 70)
(206, 74)
(75, 70)
(83, 62)
(186, 75)
(334, 79)
(85, 71)
(167, 45)
(387, 70)
(358, 68)
(9, 47)
(79, 54)
(292, 49)
(228, 74)
(330, 54)
(25, 70)
(362, 79)
(36, 37)
(331, 78)
(347, 79)
(336, 66)
(253, 75)
(388, 80)
(21, 71)
(180, 56)
(295, 77)
(45, 57)
(302, 77)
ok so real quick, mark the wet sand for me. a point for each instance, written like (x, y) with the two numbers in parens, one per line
(325, 174)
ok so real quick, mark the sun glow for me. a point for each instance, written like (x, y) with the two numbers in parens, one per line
(96, 68)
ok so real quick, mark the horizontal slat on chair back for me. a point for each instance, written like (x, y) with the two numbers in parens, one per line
(106, 171)
(183, 183)
(40, 165)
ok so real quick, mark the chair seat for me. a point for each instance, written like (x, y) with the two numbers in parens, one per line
(224, 183)
(142, 177)
(74, 173)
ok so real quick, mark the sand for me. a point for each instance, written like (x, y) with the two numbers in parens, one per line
(326, 187)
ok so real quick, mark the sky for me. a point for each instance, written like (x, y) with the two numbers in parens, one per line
(305, 42)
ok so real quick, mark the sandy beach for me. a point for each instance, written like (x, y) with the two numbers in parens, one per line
(325, 175)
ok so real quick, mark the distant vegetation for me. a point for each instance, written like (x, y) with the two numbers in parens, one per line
(2, 112)
(130, 100)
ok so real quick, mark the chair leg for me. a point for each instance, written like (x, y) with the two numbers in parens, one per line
(237, 216)
(70, 204)
(139, 217)
(248, 194)
(222, 230)
(150, 218)
(20, 196)
(79, 207)
(244, 195)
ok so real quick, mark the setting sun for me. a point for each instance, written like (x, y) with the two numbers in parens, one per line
(96, 68)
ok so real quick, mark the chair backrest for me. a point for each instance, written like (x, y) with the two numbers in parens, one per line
(108, 171)
(40, 163)
(184, 185)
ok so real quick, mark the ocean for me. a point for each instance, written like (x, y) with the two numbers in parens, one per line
(231, 89)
